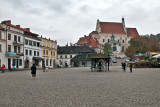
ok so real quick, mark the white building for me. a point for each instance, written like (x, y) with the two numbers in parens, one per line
(32, 49)
(116, 34)
(2, 46)
(14, 45)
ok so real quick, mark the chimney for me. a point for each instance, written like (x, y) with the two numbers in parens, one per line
(27, 29)
(18, 26)
(7, 22)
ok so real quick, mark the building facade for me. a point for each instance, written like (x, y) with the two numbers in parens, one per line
(32, 49)
(14, 54)
(116, 34)
(74, 56)
(49, 52)
(2, 46)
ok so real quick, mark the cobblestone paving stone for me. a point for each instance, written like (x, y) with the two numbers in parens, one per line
(79, 87)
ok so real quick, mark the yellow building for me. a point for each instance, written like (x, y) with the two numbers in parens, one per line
(49, 52)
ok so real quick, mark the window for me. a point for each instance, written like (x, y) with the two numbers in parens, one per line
(26, 41)
(108, 40)
(26, 51)
(0, 35)
(103, 40)
(0, 48)
(37, 53)
(44, 52)
(20, 62)
(38, 45)
(30, 52)
(30, 42)
(65, 56)
(9, 36)
(122, 48)
(114, 49)
(14, 61)
(19, 39)
(9, 48)
(34, 43)
(128, 41)
(34, 53)
(19, 49)
(123, 41)
(47, 62)
(70, 56)
(61, 56)
(50, 62)
(15, 49)
(51, 53)
(15, 38)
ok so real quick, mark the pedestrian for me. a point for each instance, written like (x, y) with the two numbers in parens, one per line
(124, 66)
(33, 71)
(43, 67)
(131, 67)
(46, 69)
(3, 68)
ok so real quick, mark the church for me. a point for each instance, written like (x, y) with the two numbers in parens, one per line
(114, 33)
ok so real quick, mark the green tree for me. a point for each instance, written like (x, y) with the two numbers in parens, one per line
(107, 49)
(130, 51)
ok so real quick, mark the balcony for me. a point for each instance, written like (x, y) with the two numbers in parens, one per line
(17, 43)
(11, 53)
(14, 54)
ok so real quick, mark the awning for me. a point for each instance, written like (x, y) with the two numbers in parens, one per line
(37, 58)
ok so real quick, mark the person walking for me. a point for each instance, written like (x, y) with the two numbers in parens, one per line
(43, 67)
(131, 67)
(3, 68)
(33, 71)
(124, 66)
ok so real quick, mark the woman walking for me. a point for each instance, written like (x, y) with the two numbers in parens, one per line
(3, 68)
(33, 71)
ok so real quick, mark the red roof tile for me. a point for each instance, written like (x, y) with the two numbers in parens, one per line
(132, 32)
(94, 32)
(88, 40)
(32, 37)
(111, 27)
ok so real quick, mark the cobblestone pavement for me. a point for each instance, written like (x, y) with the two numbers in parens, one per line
(78, 87)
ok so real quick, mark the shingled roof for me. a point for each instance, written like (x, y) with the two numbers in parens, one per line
(88, 40)
(111, 27)
(75, 49)
(132, 32)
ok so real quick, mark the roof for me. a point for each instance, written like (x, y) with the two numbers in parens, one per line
(75, 49)
(99, 56)
(82, 57)
(8, 22)
(88, 40)
(94, 32)
(112, 27)
(132, 32)
(29, 36)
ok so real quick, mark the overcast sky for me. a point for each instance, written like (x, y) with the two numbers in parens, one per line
(68, 20)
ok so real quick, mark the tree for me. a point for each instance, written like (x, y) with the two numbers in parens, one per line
(107, 49)
(130, 51)
(137, 45)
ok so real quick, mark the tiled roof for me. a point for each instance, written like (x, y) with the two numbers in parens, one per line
(75, 49)
(8, 22)
(132, 32)
(111, 27)
(88, 40)
(33, 37)
(94, 32)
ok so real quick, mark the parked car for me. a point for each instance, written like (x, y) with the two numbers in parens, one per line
(114, 60)
(127, 60)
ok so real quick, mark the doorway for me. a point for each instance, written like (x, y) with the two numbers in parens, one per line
(9, 63)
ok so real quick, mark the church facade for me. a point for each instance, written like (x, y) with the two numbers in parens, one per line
(114, 33)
